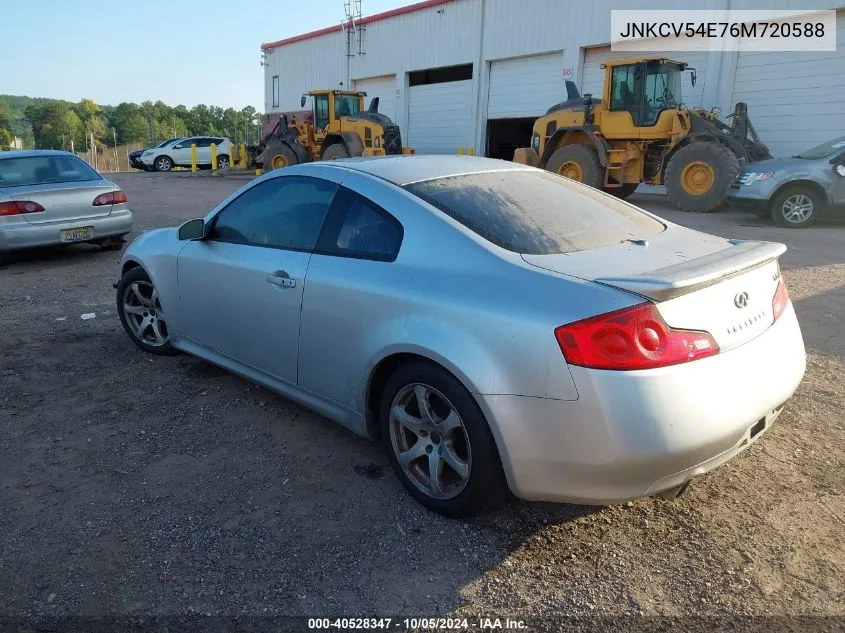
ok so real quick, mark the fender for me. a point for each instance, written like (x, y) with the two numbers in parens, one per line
(353, 143)
(597, 142)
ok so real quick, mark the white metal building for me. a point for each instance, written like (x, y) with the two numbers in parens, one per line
(476, 73)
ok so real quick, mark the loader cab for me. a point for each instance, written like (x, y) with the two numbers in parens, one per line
(330, 105)
(643, 88)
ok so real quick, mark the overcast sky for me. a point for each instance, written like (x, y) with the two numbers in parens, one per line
(185, 51)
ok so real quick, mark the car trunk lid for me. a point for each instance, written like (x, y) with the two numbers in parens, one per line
(64, 201)
(698, 281)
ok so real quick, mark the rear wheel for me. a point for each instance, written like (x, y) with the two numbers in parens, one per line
(335, 151)
(438, 441)
(278, 155)
(163, 163)
(141, 313)
(698, 176)
(796, 207)
(577, 162)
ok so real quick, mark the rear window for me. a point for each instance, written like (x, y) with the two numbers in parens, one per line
(39, 170)
(534, 212)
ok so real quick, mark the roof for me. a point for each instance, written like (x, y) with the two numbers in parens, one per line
(28, 153)
(403, 170)
(369, 19)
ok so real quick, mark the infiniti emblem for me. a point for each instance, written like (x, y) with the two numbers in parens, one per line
(741, 300)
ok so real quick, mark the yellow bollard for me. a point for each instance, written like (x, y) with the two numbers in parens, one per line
(259, 171)
(470, 152)
(460, 151)
(242, 162)
(193, 157)
(214, 158)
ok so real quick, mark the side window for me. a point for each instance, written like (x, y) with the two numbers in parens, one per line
(285, 212)
(321, 111)
(622, 92)
(357, 227)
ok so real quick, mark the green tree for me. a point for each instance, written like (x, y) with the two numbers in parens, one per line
(135, 129)
(87, 109)
(6, 138)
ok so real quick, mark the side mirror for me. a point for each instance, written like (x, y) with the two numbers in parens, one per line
(838, 160)
(192, 230)
(302, 102)
(840, 169)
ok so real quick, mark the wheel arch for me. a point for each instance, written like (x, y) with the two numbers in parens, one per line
(801, 182)
(575, 135)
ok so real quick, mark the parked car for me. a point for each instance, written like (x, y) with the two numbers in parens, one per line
(795, 191)
(490, 322)
(135, 157)
(50, 197)
(179, 153)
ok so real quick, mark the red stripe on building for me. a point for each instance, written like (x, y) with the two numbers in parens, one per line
(411, 8)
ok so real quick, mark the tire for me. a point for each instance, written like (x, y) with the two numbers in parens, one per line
(112, 243)
(469, 445)
(278, 155)
(624, 191)
(335, 151)
(163, 163)
(580, 162)
(698, 176)
(223, 161)
(153, 337)
(800, 203)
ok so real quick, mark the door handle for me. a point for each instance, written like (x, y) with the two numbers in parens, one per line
(280, 278)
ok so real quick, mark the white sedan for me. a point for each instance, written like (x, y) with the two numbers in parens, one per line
(177, 153)
(492, 324)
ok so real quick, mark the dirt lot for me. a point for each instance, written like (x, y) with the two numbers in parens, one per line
(142, 485)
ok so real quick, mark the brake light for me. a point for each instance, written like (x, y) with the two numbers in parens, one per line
(18, 207)
(780, 300)
(113, 197)
(636, 337)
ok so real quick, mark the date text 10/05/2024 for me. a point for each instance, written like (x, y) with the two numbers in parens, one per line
(434, 624)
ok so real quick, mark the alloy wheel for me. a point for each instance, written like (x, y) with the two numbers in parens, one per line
(143, 313)
(430, 441)
(797, 208)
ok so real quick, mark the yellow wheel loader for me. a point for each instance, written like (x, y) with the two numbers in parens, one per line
(641, 132)
(340, 128)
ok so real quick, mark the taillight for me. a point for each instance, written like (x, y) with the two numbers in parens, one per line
(780, 300)
(19, 207)
(113, 197)
(631, 338)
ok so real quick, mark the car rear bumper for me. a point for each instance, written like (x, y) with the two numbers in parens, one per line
(634, 434)
(19, 235)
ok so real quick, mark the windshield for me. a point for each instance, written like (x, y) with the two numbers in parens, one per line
(39, 170)
(534, 212)
(345, 105)
(825, 149)
(170, 140)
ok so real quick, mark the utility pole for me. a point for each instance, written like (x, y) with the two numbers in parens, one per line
(114, 136)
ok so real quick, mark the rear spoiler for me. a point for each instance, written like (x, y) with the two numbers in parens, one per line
(695, 274)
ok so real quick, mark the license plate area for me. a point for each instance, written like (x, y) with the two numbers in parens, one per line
(77, 235)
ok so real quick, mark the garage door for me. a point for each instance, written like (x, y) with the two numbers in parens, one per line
(795, 100)
(592, 77)
(526, 86)
(382, 87)
(440, 117)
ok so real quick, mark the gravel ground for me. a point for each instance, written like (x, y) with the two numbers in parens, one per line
(155, 486)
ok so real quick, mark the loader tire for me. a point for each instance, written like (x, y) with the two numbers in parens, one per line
(698, 176)
(278, 155)
(335, 151)
(577, 162)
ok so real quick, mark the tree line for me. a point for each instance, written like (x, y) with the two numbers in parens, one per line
(56, 124)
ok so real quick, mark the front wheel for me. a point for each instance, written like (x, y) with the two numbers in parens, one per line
(223, 162)
(278, 155)
(577, 162)
(141, 313)
(796, 207)
(163, 163)
(438, 441)
(698, 176)
(335, 152)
